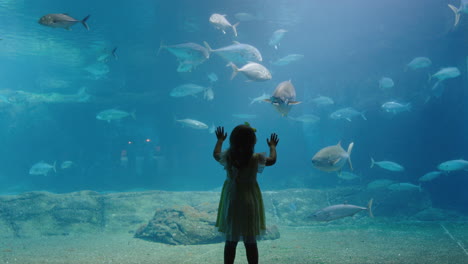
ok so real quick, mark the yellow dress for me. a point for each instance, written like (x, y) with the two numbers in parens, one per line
(241, 212)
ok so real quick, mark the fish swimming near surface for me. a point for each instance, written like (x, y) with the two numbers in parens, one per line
(386, 83)
(277, 37)
(288, 59)
(62, 21)
(189, 55)
(284, 97)
(387, 165)
(332, 158)
(42, 168)
(453, 165)
(340, 211)
(462, 9)
(419, 63)
(220, 22)
(192, 123)
(404, 186)
(346, 113)
(396, 107)
(113, 114)
(238, 53)
(255, 72)
(430, 176)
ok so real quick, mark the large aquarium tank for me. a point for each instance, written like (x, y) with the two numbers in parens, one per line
(109, 111)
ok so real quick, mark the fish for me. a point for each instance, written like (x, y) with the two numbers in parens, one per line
(388, 165)
(396, 107)
(253, 71)
(404, 186)
(209, 94)
(419, 63)
(113, 114)
(19, 97)
(187, 89)
(189, 55)
(453, 165)
(98, 70)
(386, 83)
(340, 211)
(446, 73)
(333, 158)
(61, 21)
(212, 77)
(288, 59)
(260, 98)
(321, 101)
(220, 22)
(192, 123)
(238, 53)
(462, 9)
(348, 176)
(430, 176)
(379, 184)
(277, 37)
(307, 119)
(284, 97)
(244, 116)
(106, 55)
(67, 164)
(346, 113)
(42, 168)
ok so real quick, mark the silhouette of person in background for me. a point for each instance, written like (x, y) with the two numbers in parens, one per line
(241, 213)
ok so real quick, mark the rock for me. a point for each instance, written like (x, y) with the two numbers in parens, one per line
(187, 226)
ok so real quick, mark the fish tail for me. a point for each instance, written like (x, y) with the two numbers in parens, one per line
(55, 166)
(457, 14)
(372, 162)
(350, 149)
(84, 22)
(235, 70)
(207, 46)
(114, 54)
(369, 207)
(133, 115)
(234, 28)
(363, 116)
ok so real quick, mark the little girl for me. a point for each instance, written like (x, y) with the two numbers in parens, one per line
(241, 213)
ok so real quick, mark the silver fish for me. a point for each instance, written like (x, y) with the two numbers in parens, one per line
(386, 83)
(307, 119)
(396, 107)
(446, 73)
(340, 211)
(332, 158)
(419, 63)
(253, 71)
(462, 9)
(220, 22)
(260, 98)
(283, 98)
(192, 123)
(288, 59)
(61, 21)
(237, 53)
(404, 186)
(189, 55)
(277, 37)
(379, 184)
(348, 176)
(113, 114)
(321, 101)
(346, 113)
(388, 165)
(42, 168)
(430, 176)
(67, 164)
(453, 165)
(187, 89)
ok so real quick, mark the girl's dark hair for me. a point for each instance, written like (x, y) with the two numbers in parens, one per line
(242, 142)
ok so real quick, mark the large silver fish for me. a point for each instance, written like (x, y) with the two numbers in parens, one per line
(283, 98)
(62, 21)
(237, 53)
(220, 22)
(346, 113)
(288, 59)
(419, 63)
(340, 211)
(453, 165)
(42, 168)
(113, 114)
(387, 165)
(189, 55)
(332, 158)
(253, 71)
(192, 123)
(187, 89)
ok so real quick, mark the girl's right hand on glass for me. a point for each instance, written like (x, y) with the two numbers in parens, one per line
(273, 140)
(220, 135)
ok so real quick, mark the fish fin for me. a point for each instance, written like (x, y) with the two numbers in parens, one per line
(235, 70)
(276, 47)
(84, 22)
(234, 28)
(363, 116)
(339, 143)
(294, 102)
(54, 166)
(236, 42)
(457, 14)
(350, 149)
(114, 54)
(224, 32)
(161, 46)
(207, 46)
(267, 100)
(369, 207)
(372, 162)
(349, 119)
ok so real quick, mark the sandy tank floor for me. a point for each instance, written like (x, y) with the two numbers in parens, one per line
(378, 242)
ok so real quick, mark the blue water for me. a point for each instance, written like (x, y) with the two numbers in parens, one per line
(347, 46)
